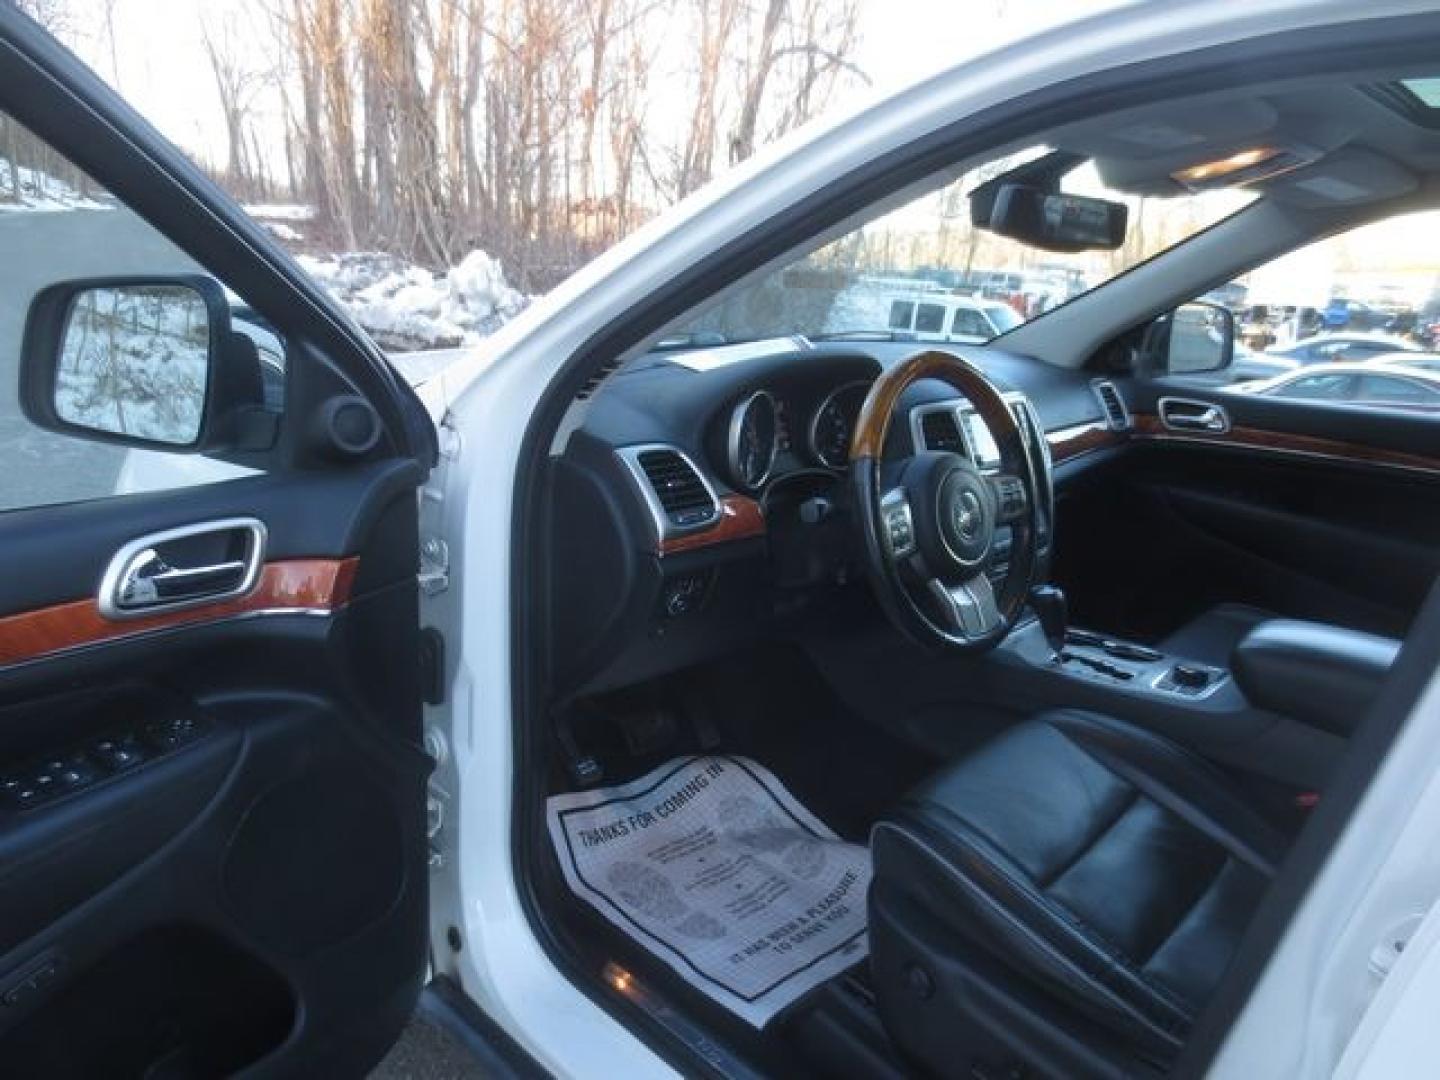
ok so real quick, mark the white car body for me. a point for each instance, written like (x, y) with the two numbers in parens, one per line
(958, 318)
(1317, 985)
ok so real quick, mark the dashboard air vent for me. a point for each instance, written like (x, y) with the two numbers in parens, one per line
(940, 431)
(682, 495)
(1116, 414)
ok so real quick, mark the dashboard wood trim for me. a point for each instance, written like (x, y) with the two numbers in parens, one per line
(740, 519)
(285, 586)
(1150, 427)
(1069, 443)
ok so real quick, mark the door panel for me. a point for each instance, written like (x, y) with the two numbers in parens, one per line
(231, 871)
(1313, 511)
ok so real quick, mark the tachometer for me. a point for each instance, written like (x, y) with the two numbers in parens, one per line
(833, 425)
(754, 439)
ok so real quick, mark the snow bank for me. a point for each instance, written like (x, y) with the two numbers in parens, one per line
(23, 188)
(407, 307)
(280, 211)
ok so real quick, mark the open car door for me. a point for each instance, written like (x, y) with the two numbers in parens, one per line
(212, 787)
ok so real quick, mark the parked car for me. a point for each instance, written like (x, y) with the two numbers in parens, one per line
(1373, 384)
(1327, 348)
(1424, 361)
(951, 318)
(718, 711)
(1343, 314)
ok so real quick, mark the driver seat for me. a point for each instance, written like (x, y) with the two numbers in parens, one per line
(1067, 897)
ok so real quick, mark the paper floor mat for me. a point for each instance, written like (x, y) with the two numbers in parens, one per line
(710, 864)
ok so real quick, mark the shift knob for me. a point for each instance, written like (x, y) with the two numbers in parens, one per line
(1049, 604)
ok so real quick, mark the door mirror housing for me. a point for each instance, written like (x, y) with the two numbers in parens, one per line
(1194, 338)
(1050, 220)
(150, 362)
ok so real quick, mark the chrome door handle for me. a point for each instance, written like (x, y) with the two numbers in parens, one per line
(143, 578)
(1185, 415)
(150, 580)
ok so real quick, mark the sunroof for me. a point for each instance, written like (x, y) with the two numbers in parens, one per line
(1427, 90)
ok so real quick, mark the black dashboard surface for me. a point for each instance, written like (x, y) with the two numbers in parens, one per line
(634, 596)
(665, 399)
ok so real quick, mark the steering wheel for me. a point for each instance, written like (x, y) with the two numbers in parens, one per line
(928, 523)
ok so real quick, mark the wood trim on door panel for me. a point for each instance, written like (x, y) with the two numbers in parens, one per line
(285, 586)
(1150, 427)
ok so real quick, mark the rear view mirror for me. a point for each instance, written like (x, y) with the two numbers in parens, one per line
(1194, 338)
(126, 360)
(1051, 220)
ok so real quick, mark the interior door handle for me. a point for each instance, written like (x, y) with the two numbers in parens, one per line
(148, 575)
(150, 580)
(1185, 415)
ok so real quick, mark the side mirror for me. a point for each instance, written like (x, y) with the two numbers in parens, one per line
(140, 361)
(1194, 338)
(1051, 220)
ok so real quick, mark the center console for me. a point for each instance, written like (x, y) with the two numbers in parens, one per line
(1088, 655)
(1283, 707)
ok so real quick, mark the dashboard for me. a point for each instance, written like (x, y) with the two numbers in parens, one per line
(703, 494)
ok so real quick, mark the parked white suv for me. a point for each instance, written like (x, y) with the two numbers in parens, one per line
(951, 318)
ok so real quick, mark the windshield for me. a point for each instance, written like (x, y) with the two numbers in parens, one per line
(923, 272)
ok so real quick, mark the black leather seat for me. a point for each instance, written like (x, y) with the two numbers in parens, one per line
(1212, 637)
(1093, 877)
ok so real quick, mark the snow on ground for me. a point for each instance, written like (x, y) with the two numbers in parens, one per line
(23, 188)
(281, 219)
(280, 211)
(407, 307)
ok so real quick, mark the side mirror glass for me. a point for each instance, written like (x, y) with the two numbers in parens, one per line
(126, 360)
(1194, 338)
(1050, 220)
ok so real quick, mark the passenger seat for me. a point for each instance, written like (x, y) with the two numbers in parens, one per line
(1212, 637)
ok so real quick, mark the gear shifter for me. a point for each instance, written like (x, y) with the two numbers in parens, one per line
(1049, 604)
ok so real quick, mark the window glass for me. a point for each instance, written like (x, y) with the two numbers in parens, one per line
(971, 324)
(861, 282)
(930, 319)
(1383, 388)
(1363, 297)
(900, 312)
(132, 355)
(1333, 387)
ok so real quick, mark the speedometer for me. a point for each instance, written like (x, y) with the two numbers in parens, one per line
(833, 425)
(754, 439)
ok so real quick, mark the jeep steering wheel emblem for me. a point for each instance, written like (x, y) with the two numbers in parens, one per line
(967, 516)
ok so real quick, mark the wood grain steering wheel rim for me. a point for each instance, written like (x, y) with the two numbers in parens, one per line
(934, 585)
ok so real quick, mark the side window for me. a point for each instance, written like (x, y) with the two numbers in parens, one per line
(1318, 387)
(1391, 388)
(900, 312)
(970, 323)
(1365, 298)
(930, 319)
(145, 338)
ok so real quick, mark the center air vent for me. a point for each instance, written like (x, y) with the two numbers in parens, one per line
(1116, 414)
(676, 493)
(940, 431)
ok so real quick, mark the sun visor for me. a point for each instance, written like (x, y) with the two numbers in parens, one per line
(1344, 178)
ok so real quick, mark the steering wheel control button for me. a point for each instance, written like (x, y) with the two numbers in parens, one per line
(899, 525)
(1010, 493)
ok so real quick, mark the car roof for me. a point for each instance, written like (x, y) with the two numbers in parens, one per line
(1358, 337)
(1368, 368)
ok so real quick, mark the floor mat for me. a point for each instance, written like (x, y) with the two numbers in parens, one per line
(711, 865)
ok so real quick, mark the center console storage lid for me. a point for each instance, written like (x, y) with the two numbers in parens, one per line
(1312, 672)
